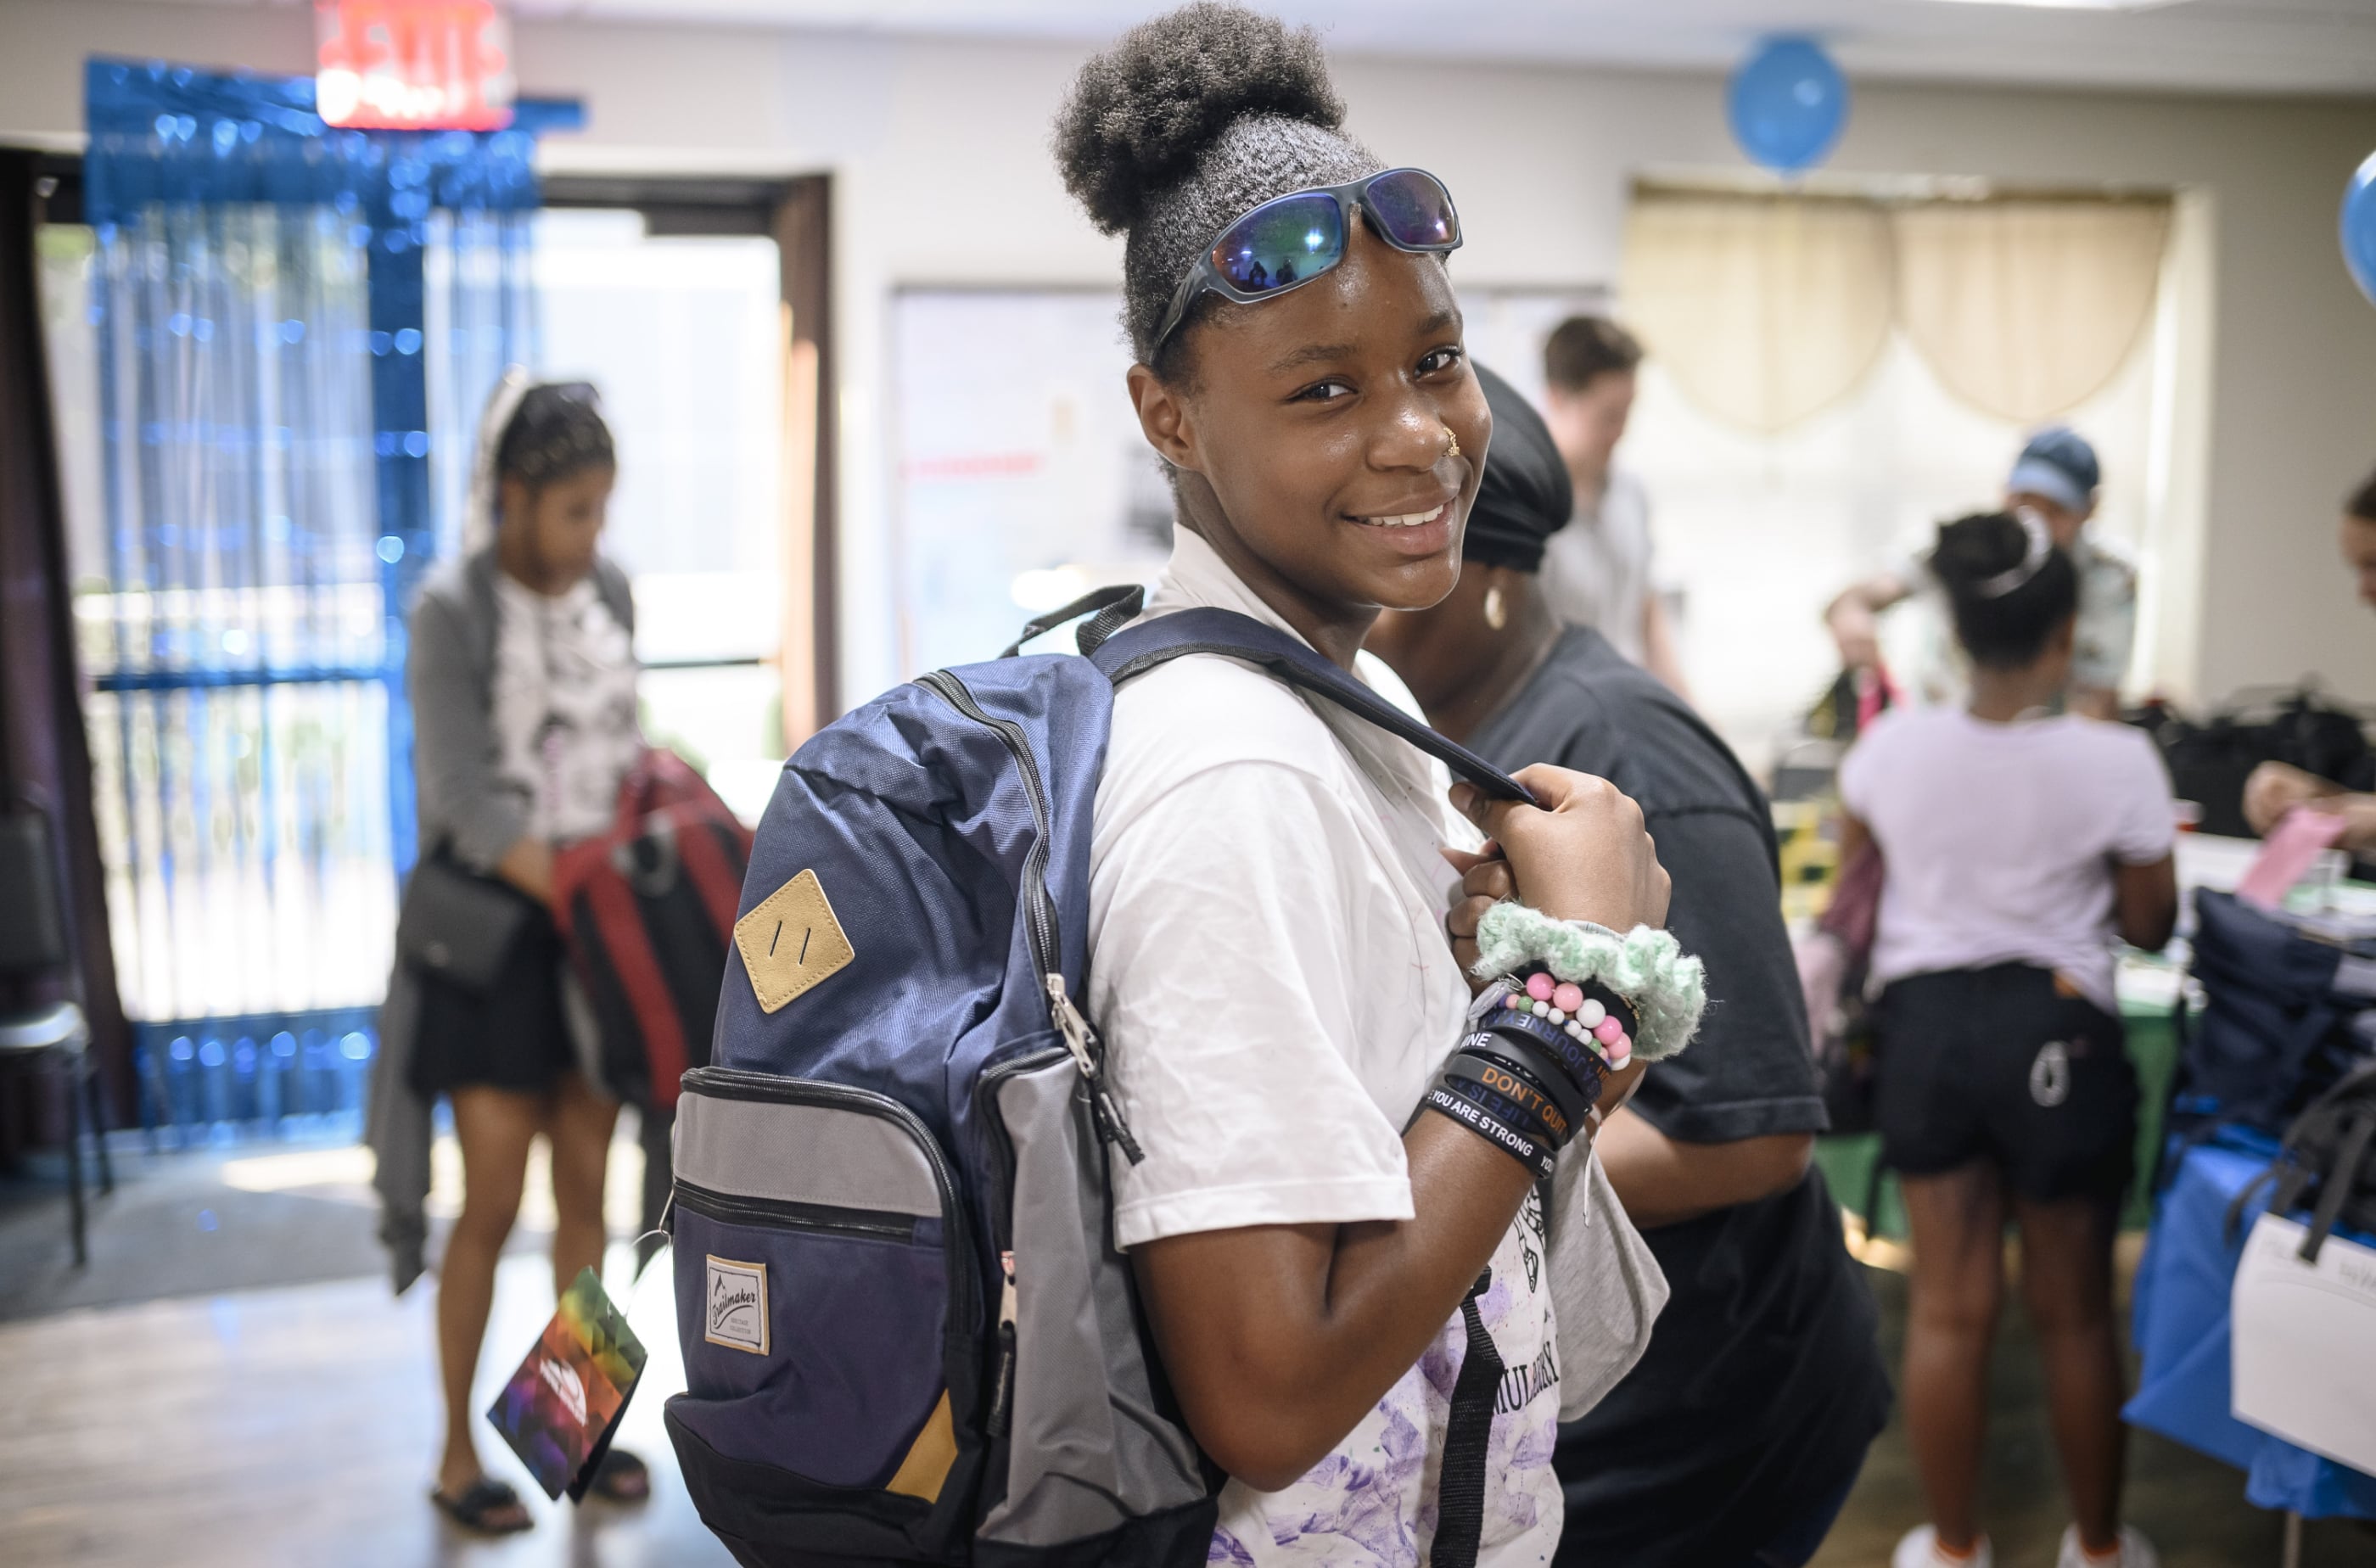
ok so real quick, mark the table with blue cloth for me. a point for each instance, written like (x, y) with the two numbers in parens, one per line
(2182, 1334)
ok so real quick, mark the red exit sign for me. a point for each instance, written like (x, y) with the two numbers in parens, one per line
(413, 65)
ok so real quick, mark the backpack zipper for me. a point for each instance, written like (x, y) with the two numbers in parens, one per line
(1080, 1038)
(785, 1214)
(736, 1083)
(1038, 906)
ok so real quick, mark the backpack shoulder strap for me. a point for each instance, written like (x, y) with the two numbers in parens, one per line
(1288, 658)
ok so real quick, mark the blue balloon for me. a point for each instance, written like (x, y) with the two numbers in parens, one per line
(2358, 228)
(1786, 104)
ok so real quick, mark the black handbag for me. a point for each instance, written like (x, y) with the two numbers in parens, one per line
(457, 925)
(2209, 762)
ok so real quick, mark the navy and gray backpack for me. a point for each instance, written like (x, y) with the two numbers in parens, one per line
(908, 1335)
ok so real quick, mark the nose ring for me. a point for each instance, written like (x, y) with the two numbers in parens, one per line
(1451, 443)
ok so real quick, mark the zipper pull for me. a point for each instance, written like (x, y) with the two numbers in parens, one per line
(1003, 1388)
(1082, 1042)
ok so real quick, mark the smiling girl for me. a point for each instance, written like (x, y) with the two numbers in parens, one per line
(1352, 1297)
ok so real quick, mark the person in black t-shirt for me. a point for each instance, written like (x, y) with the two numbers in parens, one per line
(1734, 1443)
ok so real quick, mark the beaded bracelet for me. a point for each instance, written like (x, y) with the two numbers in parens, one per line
(1589, 1012)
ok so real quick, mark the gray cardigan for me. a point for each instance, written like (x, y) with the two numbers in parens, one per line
(449, 673)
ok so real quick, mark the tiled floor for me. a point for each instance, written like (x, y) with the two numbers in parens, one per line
(2193, 1507)
(294, 1424)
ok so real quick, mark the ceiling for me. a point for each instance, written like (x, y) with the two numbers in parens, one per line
(2286, 46)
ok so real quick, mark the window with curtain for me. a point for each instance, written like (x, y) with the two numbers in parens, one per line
(1830, 376)
(245, 378)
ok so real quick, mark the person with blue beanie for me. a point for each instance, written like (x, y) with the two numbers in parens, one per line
(2057, 477)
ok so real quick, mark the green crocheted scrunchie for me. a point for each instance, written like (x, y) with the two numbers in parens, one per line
(1647, 967)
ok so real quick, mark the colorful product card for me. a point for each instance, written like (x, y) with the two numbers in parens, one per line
(559, 1411)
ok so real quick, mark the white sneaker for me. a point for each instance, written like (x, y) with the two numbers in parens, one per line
(2135, 1550)
(1920, 1550)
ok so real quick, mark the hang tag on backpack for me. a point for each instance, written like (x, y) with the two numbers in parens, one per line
(561, 1408)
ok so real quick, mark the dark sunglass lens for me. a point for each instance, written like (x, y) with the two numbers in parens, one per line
(1415, 210)
(1282, 242)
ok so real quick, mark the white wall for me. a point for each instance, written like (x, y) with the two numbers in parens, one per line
(940, 151)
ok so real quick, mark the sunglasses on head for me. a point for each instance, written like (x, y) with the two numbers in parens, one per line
(1288, 241)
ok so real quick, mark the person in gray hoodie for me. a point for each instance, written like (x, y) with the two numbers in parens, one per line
(522, 677)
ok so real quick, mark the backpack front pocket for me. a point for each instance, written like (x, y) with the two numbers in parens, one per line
(826, 1298)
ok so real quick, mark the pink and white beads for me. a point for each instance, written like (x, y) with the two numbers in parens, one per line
(1580, 1016)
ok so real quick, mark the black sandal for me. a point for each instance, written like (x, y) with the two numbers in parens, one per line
(476, 1509)
(622, 1477)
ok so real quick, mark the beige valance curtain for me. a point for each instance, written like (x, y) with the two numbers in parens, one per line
(2028, 309)
(1767, 309)
(1764, 311)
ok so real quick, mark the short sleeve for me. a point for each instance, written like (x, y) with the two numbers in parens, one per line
(1858, 768)
(2145, 826)
(1222, 963)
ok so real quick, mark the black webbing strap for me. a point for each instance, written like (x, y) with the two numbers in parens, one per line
(1115, 608)
(2335, 1185)
(1467, 1433)
(1290, 658)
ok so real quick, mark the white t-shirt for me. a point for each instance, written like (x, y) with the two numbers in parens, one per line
(1269, 969)
(1597, 570)
(565, 706)
(1998, 840)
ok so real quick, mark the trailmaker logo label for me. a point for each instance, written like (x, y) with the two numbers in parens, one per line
(737, 1305)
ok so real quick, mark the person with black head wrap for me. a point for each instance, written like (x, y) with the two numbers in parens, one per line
(1349, 1282)
(1735, 1440)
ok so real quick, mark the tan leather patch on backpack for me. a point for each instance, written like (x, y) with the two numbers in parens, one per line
(791, 941)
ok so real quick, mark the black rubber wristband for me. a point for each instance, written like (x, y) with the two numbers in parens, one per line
(1546, 1075)
(1534, 1156)
(1552, 1099)
(1583, 1066)
(1501, 1089)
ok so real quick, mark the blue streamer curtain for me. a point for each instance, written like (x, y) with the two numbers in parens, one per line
(295, 327)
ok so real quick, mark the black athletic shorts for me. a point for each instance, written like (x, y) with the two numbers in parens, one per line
(2005, 1063)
